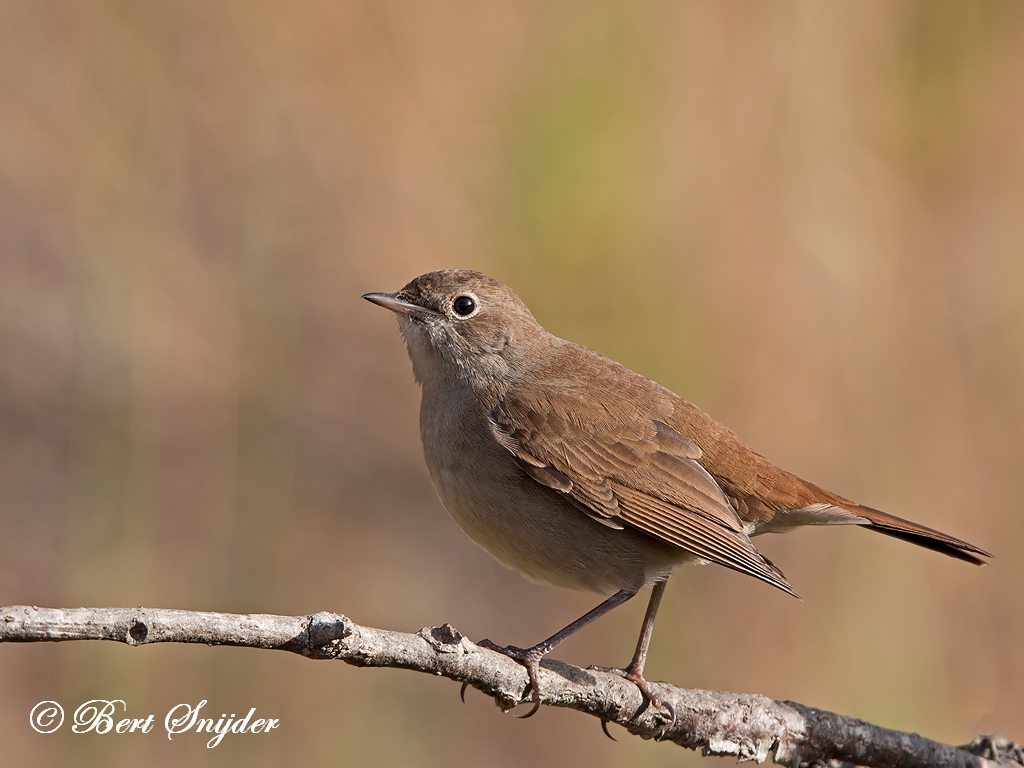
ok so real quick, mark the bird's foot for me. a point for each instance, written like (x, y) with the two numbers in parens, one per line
(649, 696)
(529, 658)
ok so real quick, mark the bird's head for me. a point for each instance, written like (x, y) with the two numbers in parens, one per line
(465, 325)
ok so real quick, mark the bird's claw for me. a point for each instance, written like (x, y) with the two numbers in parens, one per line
(530, 659)
(512, 651)
(649, 698)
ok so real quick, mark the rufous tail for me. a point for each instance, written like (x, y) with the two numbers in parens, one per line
(929, 538)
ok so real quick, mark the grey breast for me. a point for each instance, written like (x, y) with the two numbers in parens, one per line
(523, 524)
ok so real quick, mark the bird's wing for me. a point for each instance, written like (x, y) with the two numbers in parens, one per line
(623, 465)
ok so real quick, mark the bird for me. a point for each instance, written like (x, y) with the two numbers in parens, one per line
(581, 473)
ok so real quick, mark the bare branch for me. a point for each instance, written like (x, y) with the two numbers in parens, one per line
(747, 726)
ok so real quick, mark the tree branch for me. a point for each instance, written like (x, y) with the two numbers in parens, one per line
(747, 726)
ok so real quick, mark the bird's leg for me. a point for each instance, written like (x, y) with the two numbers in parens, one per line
(635, 671)
(530, 657)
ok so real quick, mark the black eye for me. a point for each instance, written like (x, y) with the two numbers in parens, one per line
(463, 305)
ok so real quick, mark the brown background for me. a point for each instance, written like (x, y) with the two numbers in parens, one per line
(804, 216)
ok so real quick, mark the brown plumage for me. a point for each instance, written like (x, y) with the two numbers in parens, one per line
(580, 472)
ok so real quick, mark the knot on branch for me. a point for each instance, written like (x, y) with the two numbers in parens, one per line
(137, 632)
(996, 748)
(446, 639)
(325, 634)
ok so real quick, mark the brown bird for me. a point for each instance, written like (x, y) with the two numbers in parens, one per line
(580, 473)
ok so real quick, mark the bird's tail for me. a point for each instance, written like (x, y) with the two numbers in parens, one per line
(929, 538)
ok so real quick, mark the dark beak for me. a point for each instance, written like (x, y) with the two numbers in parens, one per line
(397, 305)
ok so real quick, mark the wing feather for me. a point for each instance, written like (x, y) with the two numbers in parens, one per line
(626, 465)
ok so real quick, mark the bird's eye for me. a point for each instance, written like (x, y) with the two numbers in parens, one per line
(464, 305)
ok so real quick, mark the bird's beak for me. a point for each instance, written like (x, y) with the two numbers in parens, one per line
(397, 305)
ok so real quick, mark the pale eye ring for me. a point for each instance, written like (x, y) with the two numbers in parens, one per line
(463, 305)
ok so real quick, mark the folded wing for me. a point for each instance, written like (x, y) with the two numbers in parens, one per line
(622, 464)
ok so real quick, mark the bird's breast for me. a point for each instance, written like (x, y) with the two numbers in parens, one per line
(471, 471)
(525, 525)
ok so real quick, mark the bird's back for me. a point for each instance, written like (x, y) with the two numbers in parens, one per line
(765, 497)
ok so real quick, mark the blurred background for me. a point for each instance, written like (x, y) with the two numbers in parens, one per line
(805, 217)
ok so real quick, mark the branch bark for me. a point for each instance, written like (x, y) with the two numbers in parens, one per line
(746, 726)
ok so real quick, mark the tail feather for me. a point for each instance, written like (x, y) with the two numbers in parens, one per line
(921, 535)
